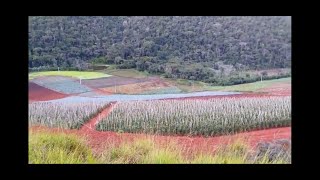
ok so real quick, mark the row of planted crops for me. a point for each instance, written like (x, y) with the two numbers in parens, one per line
(197, 117)
(63, 115)
(188, 117)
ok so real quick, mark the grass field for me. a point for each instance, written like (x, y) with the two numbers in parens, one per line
(54, 148)
(189, 86)
(132, 73)
(75, 74)
(46, 148)
(249, 86)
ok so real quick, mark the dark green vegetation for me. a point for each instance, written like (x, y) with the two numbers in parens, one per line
(217, 50)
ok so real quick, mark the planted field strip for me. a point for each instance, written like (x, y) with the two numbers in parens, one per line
(75, 74)
(63, 115)
(149, 87)
(62, 84)
(39, 93)
(165, 90)
(122, 97)
(90, 125)
(111, 81)
(196, 117)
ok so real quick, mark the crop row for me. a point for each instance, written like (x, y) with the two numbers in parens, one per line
(196, 117)
(63, 115)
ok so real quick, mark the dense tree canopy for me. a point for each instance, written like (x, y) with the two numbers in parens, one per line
(199, 48)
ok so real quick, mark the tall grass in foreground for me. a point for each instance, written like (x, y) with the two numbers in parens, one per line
(145, 151)
(63, 115)
(197, 117)
(49, 148)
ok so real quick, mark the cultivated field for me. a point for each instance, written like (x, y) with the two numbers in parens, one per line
(74, 74)
(130, 73)
(39, 93)
(198, 122)
(111, 81)
(65, 85)
(198, 117)
(62, 115)
(148, 86)
(252, 87)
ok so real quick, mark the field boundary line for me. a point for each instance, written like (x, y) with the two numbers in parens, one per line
(90, 125)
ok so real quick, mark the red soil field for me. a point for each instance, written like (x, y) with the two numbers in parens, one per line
(39, 93)
(99, 140)
(136, 88)
(90, 125)
(99, 91)
(280, 89)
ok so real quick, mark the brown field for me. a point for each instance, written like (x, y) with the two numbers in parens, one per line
(280, 89)
(98, 140)
(136, 88)
(111, 81)
(39, 93)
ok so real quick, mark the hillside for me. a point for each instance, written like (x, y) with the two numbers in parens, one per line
(217, 50)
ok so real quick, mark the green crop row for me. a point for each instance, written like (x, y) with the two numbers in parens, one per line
(197, 117)
(63, 115)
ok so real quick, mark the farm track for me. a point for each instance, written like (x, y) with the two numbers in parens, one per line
(90, 125)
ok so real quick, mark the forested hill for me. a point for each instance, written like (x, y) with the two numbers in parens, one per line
(183, 47)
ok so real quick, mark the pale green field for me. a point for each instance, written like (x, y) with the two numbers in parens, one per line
(249, 87)
(76, 74)
(131, 73)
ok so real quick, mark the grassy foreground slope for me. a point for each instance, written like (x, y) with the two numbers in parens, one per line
(75, 74)
(58, 149)
(54, 148)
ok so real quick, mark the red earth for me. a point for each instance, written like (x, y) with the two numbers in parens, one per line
(111, 81)
(90, 125)
(39, 93)
(244, 95)
(99, 140)
(279, 89)
(99, 91)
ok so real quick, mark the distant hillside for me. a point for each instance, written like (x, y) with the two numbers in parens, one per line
(210, 49)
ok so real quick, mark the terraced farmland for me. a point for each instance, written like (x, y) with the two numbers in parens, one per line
(195, 117)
